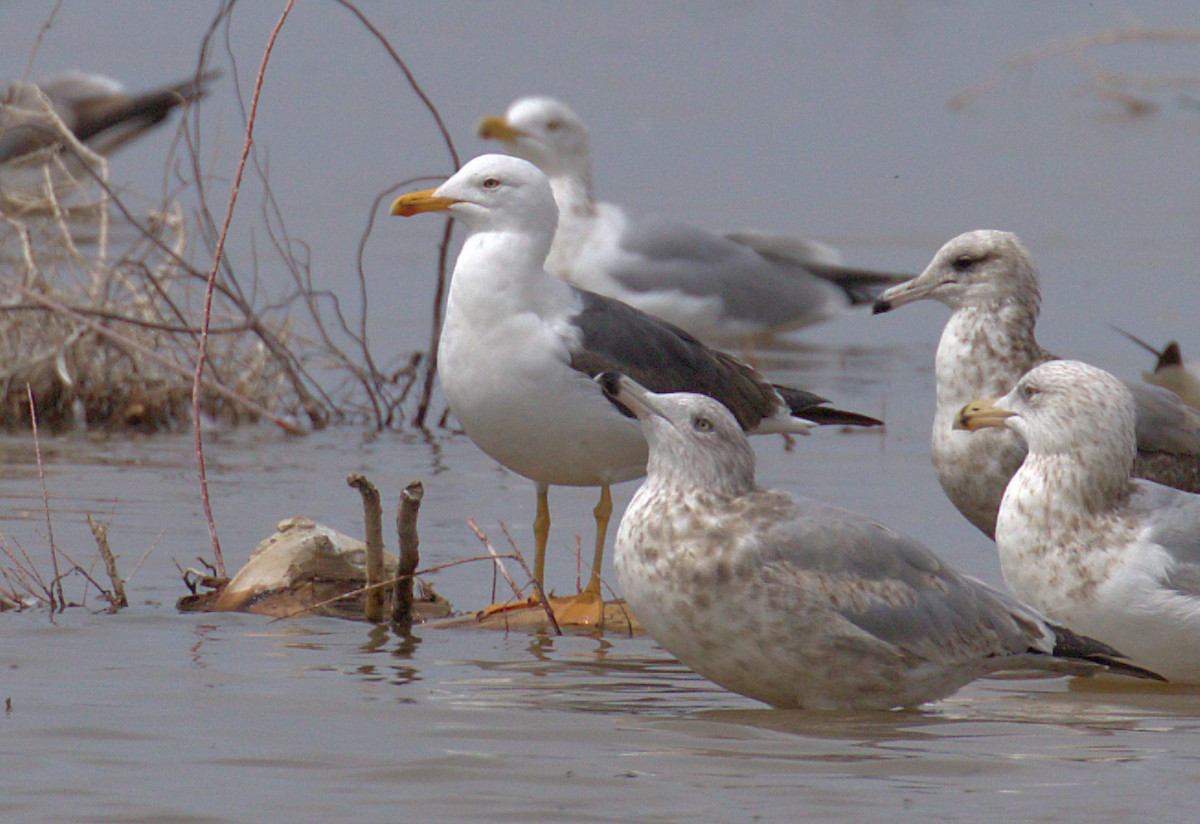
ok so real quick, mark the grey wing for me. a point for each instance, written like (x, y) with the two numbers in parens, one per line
(1174, 525)
(897, 590)
(662, 255)
(1164, 422)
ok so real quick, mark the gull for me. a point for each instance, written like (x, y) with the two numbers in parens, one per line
(798, 603)
(1170, 372)
(519, 348)
(989, 282)
(1106, 554)
(737, 287)
(96, 109)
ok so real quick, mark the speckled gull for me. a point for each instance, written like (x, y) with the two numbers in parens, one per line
(988, 280)
(798, 603)
(1103, 553)
(733, 287)
(519, 348)
(96, 109)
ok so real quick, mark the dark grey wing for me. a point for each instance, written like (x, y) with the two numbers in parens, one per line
(664, 358)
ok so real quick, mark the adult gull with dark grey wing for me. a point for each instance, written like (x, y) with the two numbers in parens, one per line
(519, 348)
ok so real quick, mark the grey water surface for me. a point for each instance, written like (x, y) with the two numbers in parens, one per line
(830, 120)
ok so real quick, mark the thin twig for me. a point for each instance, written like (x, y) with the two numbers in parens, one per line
(56, 585)
(202, 350)
(537, 587)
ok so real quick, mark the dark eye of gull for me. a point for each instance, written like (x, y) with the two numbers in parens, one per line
(702, 424)
(554, 125)
(963, 262)
(491, 183)
(1029, 391)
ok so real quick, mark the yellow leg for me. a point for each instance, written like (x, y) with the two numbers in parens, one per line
(541, 534)
(588, 606)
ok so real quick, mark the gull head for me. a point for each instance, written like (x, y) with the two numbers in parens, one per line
(543, 131)
(975, 268)
(1064, 408)
(695, 442)
(490, 193)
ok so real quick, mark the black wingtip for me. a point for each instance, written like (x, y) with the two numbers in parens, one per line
(881, 306)
(610, 384)
(1171, 356)
(1068, 644)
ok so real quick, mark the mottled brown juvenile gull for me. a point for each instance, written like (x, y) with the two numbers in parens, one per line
(988, 280)
(733, 287)
(1079, 538)
(519, 348)
(96, 109)
(795, 602)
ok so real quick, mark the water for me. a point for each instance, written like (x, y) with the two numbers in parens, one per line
(826, 119)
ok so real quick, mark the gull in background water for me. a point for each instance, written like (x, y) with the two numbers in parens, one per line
(1170, 372)
(1079, 538)
(96, 109)
(735, 287)
(798, 603)
(989, 282)
(519, 349)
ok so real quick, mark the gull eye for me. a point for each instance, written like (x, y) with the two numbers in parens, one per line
(963, 262)
(702, 424)
(491, 183)
(554, 125)
(1029, 392)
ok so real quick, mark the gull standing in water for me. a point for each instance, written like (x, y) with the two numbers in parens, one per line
(519, 349)
(735, 287)
(798, 603)
(990, 284)
(1079, 538)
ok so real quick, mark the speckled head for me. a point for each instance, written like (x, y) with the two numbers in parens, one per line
(695, 442)
(984, 266)
(543, 131)
(1071, 409)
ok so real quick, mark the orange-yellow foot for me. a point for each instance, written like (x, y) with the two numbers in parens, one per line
(585, 609)
(509, 606)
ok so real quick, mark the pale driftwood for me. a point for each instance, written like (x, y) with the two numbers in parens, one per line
(100, 533)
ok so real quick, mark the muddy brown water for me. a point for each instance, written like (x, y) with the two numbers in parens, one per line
(826, 119)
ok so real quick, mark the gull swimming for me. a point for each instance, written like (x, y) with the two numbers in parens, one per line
(989, 282)
(798, 603)
(519, 349)
(735, 287)
(1106, 554)
(96, 109)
